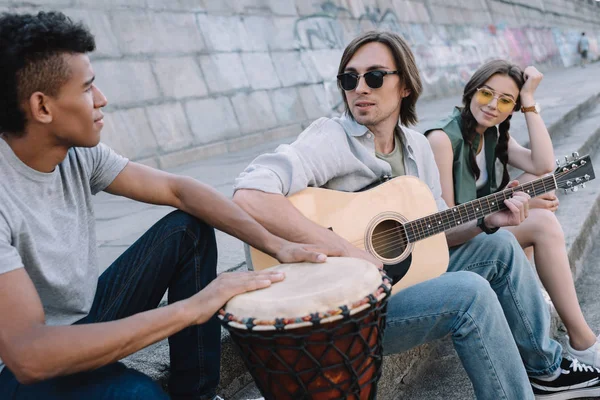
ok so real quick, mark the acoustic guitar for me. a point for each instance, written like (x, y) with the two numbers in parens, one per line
(398, 221)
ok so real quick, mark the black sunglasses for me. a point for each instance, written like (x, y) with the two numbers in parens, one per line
(374, 79)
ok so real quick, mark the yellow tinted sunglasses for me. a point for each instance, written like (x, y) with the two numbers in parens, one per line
(485, 96)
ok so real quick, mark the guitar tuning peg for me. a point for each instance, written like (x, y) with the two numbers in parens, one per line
(574, 188)
(566, 191)
(587, 177)
(575, 154)
(567, 159)
(582, 186)
(557, 161)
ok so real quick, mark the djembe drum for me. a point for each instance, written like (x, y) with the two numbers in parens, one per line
(315, 335)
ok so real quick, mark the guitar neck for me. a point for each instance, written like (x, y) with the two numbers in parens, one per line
(430, 225)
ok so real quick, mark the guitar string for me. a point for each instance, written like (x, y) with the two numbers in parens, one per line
(540, 184)
(399, 242)
(381, 236)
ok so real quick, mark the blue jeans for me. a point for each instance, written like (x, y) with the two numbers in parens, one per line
(178, 253)
(491, 305)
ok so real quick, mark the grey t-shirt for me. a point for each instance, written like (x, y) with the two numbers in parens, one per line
(47, 226)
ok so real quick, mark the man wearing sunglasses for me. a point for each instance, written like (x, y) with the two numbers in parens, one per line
(490, 302)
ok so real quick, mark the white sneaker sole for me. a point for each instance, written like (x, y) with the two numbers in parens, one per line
(570, 394)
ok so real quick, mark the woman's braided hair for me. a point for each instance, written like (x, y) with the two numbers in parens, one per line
(469, 123)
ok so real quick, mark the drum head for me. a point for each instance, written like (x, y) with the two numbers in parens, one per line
(308, 289)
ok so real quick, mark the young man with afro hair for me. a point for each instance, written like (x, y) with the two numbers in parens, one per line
(63, 328)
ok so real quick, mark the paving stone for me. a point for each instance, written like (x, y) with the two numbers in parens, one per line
(289, 68)
(170, 126)
(180, 77)
(260, 71)
(107, 255)
(323, 31)
(258, 33)
(254, 111)
(132, 225)
(284, 37)
(359, 8)
(220, 6)
(307, 7)
(287, 105)
(151, 32)
(411, 11)
(283, 7)
(129, 133)
(251, 141)
(322, 65)
(212, 120)
(222, 33)
(315, 101)
(191, 155)
(125, 82)
(109, 4)
(224, 72)
(99, 24)
(177, 5)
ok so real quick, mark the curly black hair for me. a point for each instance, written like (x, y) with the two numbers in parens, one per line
(31, 60)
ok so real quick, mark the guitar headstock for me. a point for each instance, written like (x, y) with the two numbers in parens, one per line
(574, 172)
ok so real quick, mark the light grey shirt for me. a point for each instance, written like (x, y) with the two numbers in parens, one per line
(338, 153)
(47, 226)
(584, 44)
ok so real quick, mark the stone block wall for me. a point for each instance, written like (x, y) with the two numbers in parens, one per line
(188, 79)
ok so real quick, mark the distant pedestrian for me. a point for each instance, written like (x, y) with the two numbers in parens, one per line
(582, 48)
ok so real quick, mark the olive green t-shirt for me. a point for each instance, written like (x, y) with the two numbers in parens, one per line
(395, 158)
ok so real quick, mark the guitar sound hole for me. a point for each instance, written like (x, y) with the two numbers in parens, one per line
(389, 239)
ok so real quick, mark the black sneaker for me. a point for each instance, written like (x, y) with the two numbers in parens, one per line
(575, 381)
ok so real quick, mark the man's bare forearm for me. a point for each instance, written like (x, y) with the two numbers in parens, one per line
(462, 234)
(279, 216)
(49, 351)
(217, 210)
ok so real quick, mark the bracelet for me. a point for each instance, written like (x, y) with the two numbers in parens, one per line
(481, 225)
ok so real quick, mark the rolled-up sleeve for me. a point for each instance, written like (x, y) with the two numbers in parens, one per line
(312, 160)
(428, 170)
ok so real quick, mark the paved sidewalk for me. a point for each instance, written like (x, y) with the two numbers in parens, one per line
(121, 221)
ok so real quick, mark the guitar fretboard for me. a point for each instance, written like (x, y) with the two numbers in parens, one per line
(455, 216)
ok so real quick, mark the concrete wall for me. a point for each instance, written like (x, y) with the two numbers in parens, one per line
(188, 79)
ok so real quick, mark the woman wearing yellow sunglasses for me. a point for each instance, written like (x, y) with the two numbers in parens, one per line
(466, 146)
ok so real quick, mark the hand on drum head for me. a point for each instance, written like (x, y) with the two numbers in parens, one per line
(297, 252)
(209, 300)
(291, 252)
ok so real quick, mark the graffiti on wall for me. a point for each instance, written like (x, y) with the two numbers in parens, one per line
(446, 55)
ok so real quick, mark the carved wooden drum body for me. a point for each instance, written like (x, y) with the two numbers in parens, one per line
(317, 334)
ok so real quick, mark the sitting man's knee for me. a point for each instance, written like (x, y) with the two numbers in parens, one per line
(180, 218)
(126, 383)
(471, 283)
(141, 387)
